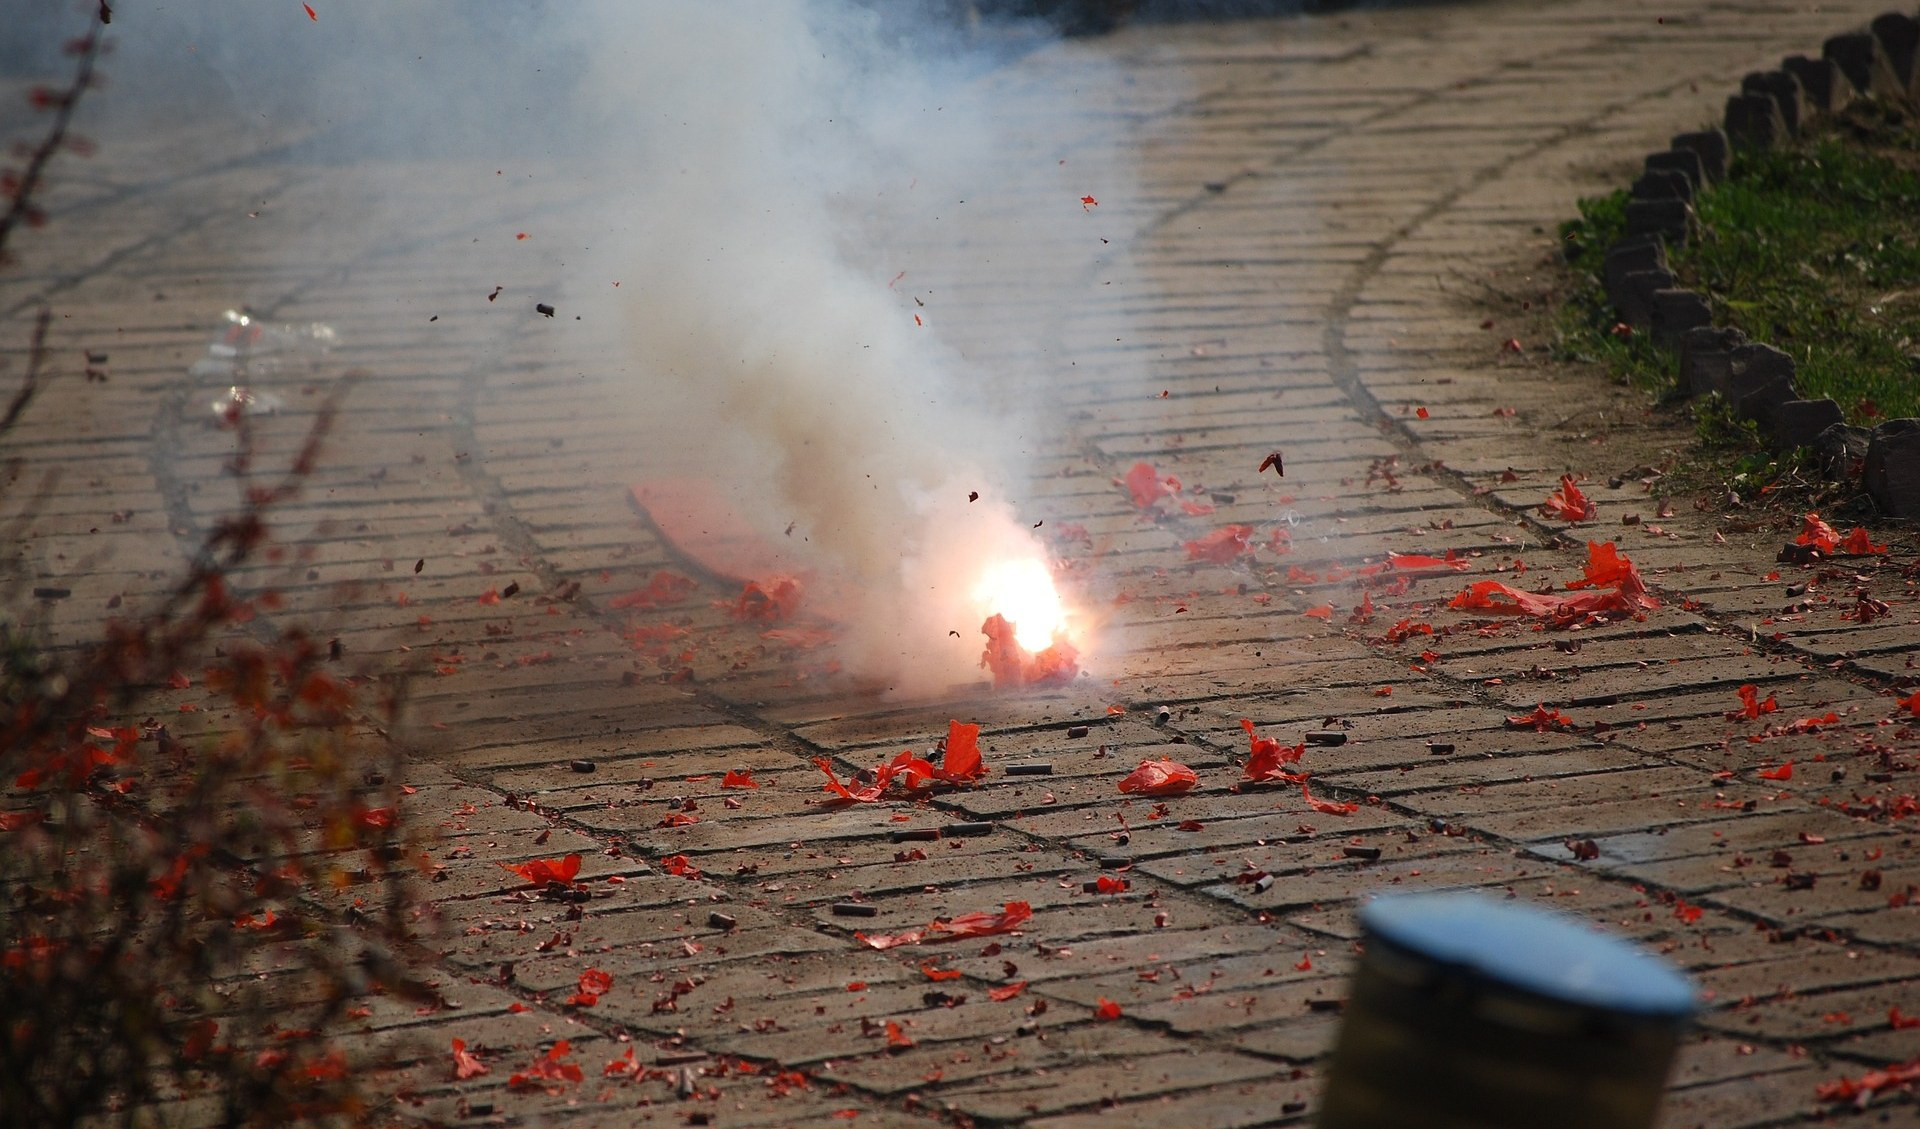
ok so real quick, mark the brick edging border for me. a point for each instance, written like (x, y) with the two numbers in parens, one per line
(1755, 378)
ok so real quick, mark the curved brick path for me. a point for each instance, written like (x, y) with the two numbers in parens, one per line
(1322, 213)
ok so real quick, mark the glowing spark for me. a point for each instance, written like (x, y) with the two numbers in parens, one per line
(1023, 592)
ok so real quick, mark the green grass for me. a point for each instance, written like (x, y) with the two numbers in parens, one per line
(1812, 248)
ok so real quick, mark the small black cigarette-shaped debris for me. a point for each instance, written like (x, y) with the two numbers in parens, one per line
(1292, 1107)
(1880, 777)
(1114, 862)
(916, 835)
(543, 308)
(584, 766)
(496, 293)
(1367, 853)
(855, 909)
(1077, 731)
(1123, 837)
(1800, 881)
(418, 565)
(965, 830)
(52, 593)
(1263, 883)
(510, 591)
(480, 1109)
(1161, 715)
(1439, 748)
(1030, 770)
(1324, 1003)
(1326, 737)
(721, 920)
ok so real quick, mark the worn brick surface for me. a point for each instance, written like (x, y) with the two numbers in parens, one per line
(1323, 212)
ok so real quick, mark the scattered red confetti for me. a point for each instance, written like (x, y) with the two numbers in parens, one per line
(1266, 756)
(546, 1069)
(1784, 772)
(1862, 1089)
(1222, 545)
(542, 872)
(1088, 203)
(1686, 911)
(1542, 720)
(465, 1065)
(490, 597)
(1568, 503)
(593, 984)
(1107, 1009)
(1750, 704)
(1006, 992)
(739, 778)
(1159, 778)
(311, 14)
(979, 924)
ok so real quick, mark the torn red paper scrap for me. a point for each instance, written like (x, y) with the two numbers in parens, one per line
(594, 983)
(1146, 487)
(1910, 703)
(1751, 706)
(771, 601)
(465, 1065)
(679, 866)
(897, 1037)
(1006, 991)
(1108, 884)
(548, 1068)
(939, 974)
(1568, 503)
(1107, 1009)
(1784, 772)
(1858, 544)
(541, 872)
(1267, 755)
(980, 924)
(665, 588)
(1014, 665)
(1862, 1089)
(1415, 562)
(1159, 778)
(1222, 545)
(1801, 725)
(739, 778)
(865, 794)
(1818, 534)
(1542, 720)
(961, 762)
(1324, 611)
(1624, 594)
(1326, 807)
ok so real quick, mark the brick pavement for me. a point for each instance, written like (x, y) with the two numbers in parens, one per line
(1322, 213)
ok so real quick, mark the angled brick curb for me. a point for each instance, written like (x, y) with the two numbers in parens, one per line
(1771, 108)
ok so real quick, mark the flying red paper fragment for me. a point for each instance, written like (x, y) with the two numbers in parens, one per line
(1014, 665)
(1267, 755)
(1750, 704)
(962, 761)
(1273, 460)
(939, 974)
(465, 1065)
(1818, 534)
(1542, 720)
(1900, 1022)
(1088, 202)
(542, 872)
(311, 14)
(1006, 991)
(769, 602)
(896, 1037)
(978, 924)
(1784, 772)
(1107, 1009)
(1858, 544)
(548, 1068)
(1326, 807)
(665, 588)
(593, 984)
(1324, 611)
(1861, 1089)
(739, 778)
(1568, 503)
(1222, 545)
(1146, 487)
(1159, 778)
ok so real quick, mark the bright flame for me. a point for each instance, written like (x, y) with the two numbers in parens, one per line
(1023, 593)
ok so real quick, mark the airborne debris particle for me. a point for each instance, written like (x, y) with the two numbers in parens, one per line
(496, 293)
(973, 495)
(543, 308)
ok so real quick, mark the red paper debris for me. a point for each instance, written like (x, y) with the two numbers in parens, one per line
(1858, 544)
(1266, 756)
(1626, 593)
(1306, 963)
(1014, 665)
(897, 1037)
(939, 974)
(1784, 772)
(1542, 720)
(311, 14)
(679, 866)
(865, 794)
(541, 872)
(769, 602)
(465, 1065)
(548, 1068)
(979, 924)
(1222, 545)
(1107, 884)
(1818, 534)
(1568, 503)
(1324, 611)
(1911, 703)
(593, 984)
(1107, 1009)
(1006, 992)
(1326, 807)
(739, 778)
(1088, 202)
(665, 588)
(1159, 778)
(961, 762)
(1273, 460)
(1750, 704)
(1863, 1088)
(1146, 487)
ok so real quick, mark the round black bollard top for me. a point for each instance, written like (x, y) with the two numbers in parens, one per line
(1530, 950)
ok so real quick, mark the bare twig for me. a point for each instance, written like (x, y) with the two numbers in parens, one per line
(63, 103)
